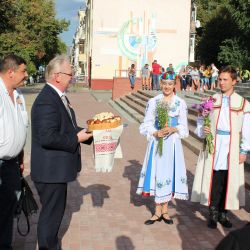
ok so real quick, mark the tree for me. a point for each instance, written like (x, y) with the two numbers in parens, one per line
(34, 32)
(226, 31)
(232, 53)
(5, 13)
(220, 27)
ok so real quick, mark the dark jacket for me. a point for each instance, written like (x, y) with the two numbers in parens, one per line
(236, 240)
(55, 151)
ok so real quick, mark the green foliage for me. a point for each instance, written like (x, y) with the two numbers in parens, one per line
(30, 29)
(232, 53)
(162, 114)
(5, 13)
(214, 34)
(226, 32)
(241, 12)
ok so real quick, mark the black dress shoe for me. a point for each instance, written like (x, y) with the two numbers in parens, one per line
(150, 222)
(168, 221)
(213, 217)
(224, 221)
(212, 223)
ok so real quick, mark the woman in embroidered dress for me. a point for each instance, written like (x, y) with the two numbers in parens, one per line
(164, 176)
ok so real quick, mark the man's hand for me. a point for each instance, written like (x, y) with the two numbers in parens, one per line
(83, 136)
(21, 167)
(206, 130)
(242, 158)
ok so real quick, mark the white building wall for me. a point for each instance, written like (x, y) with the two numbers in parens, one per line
(172, 19)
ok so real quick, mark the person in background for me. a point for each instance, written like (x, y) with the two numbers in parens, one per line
(145, 73)
(189, 81)
(162, 72)
(202, 78)
(55, 150)
(170, 69)
(163, 175)
(195, 78)
(214, 76)
(182, 76)
(207, 76)
(156, 72)
(132, 75)
(31, 80)
(245, 75)
(13, 132)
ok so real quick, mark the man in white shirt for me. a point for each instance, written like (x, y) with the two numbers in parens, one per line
(13, 131)
(219, 177)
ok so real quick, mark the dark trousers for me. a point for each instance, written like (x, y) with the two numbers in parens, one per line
(10, 186)
(53, 199)
(219, 188)
(183, 83)
(156, 82)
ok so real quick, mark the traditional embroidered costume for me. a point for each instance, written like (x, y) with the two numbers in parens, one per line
(230, 121)
(164, 176)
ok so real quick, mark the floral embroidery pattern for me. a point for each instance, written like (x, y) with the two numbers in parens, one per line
(160, 185)
(143, 174)
(183, 180)
(174, 107)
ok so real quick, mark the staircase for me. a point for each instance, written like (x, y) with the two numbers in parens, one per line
(135, 103)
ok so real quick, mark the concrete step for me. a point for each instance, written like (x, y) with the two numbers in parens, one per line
(247, 84)
(211, 92)
(201, 94)
(140, 96)
(242, 88)
(122, 111)
(130, 111)
(193, 144)
(137, 100)
(192, 133)
(133, 105)
(191, 96)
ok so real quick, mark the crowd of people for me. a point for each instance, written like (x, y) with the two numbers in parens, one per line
(192, 78)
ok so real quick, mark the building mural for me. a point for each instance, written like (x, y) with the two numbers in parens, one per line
(137, 39)
(138, 31)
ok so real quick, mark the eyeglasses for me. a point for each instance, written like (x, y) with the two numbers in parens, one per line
(64, 73)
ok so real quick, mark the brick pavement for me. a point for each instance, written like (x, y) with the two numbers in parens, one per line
(103, 211)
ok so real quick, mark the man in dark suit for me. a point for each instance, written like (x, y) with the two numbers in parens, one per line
(55, 152)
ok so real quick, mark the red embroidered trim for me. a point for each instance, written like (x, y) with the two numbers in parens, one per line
(228, 161)
(145, 194)
(212, 169)
(105, 147)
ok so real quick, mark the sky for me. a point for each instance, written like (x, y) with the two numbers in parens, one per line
(68, 9)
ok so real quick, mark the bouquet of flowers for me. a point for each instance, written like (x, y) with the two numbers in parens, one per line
(204, 110)
(162, 114)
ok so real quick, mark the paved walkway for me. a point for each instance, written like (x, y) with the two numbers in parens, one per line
(103, 211)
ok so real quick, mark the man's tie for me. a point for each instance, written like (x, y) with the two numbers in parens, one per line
(66, 104)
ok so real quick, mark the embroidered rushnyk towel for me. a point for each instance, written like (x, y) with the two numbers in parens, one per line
(106, 148)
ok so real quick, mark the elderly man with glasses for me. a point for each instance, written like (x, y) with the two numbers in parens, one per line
(55, 152)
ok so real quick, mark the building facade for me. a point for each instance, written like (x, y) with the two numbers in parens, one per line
(121, 32)
(78, 57)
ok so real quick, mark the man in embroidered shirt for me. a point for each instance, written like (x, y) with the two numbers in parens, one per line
(13, 131)
(219, 177)
(55, 151)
